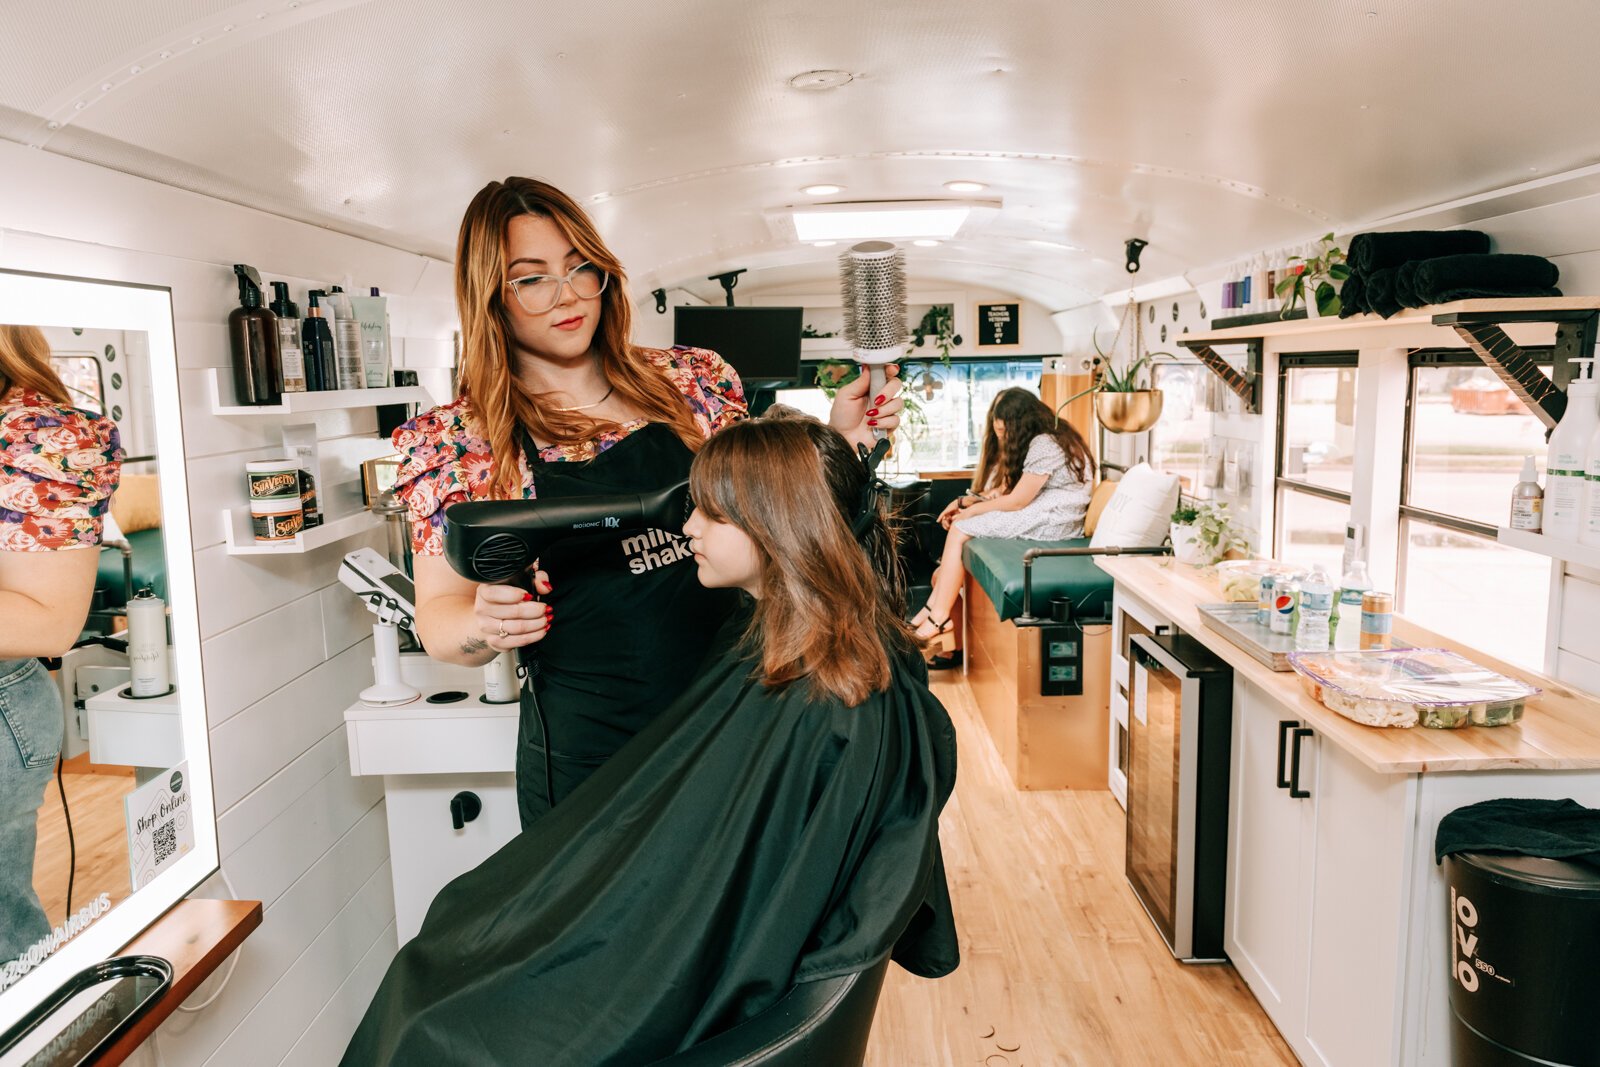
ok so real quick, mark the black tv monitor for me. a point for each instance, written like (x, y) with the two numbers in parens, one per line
(762, 344)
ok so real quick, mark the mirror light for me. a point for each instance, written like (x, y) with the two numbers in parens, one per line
(965, 186)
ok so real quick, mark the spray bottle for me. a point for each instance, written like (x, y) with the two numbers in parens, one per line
(1568, 463)
(253, 334)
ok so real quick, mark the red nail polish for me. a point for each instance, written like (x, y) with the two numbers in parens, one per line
(880, 399)
(872, 411)
(527, 596)
(872, 422)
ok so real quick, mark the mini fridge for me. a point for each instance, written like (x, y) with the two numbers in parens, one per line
(1180, 725)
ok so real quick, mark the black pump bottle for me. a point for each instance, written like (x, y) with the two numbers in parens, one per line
(316, 342)
(253, 334)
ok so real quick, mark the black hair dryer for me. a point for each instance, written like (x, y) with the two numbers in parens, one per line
(497, 540)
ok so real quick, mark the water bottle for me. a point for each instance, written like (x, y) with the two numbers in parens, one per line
(1347, 609)
(1316, 613)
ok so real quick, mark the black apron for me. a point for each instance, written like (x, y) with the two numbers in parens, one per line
(631, 623)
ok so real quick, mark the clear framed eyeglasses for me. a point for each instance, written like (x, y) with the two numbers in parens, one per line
(538, 293)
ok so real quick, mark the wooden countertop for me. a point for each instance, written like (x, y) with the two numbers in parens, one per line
(1560, 728)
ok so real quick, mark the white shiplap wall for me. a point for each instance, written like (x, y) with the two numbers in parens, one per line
(285, 648)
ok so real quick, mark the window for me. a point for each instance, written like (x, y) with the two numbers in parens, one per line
(943, 427)
(1466, 437)
(81, 376)
(1178, 439)
(1316, 449)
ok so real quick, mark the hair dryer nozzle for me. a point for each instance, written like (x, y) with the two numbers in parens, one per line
(498, 540)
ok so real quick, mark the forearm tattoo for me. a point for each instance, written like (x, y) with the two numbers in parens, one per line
(474, 645)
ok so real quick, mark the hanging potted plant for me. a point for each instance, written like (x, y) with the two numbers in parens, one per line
(1312, 281)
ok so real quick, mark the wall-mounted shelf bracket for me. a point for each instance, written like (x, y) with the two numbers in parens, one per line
(1246, 382)
(1545, 396)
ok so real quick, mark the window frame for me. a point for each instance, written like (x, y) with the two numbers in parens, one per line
(1281, 484)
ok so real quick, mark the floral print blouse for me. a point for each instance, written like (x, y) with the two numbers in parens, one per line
(58, 469)
(446, 460)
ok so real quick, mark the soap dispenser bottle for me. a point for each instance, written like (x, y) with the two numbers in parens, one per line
(253, 335)
(1568, 464)
(316, 341)
(294, 363)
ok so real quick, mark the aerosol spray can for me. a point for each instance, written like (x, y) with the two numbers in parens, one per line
(147, 645)
(500, 679)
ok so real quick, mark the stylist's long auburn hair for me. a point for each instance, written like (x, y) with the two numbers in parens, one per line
(832, 607)
(488, 376)
(25, 364)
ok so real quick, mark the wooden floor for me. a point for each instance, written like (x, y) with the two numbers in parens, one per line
(100, 830)
(1060, 966)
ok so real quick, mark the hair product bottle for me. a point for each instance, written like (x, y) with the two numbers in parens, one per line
(1568, 462)
(151, 676)
(1527, 499)
(253, 334)
(293, 362)
(372, 312)
(346, 341)
(316, 342)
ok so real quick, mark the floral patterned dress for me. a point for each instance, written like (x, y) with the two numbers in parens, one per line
(446, 459)
(58, 469)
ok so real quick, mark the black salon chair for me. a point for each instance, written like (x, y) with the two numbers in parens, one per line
(816, 1024)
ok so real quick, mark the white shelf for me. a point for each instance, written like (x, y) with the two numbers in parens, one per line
(324, 400)
(1570, 551)
(241, 538)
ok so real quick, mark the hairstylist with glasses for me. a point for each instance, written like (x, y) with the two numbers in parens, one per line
(556, 401)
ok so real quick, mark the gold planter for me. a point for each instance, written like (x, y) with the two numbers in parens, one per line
(1133, 412)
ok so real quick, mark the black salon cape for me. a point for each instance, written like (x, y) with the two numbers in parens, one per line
(745, 841)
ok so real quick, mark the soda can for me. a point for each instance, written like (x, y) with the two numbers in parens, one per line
(1285, 602)
(1264, 600)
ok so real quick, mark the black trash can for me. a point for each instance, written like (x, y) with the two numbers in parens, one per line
(1524, 961)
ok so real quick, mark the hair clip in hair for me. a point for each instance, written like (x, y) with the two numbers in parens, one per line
(873, 491)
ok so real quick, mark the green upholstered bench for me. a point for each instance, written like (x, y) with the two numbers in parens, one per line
(995, 564)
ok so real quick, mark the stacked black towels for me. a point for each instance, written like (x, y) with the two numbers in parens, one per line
(1391, 271)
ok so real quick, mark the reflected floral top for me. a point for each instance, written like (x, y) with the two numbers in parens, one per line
(58, 469)
(446, 460)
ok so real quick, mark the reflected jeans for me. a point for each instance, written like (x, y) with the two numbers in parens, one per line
(30, 741)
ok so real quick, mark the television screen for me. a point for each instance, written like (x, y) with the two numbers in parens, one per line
(762, 344)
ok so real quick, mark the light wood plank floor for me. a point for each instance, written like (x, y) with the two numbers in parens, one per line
(1060, 966)
(101, 830)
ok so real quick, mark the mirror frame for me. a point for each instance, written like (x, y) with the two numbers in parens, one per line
(35, 299)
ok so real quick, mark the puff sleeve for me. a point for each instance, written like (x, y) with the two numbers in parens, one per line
(444, 461)
(58, 469)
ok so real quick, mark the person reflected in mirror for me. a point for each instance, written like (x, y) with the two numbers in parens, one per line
(58, 469)
(1034, 480)
(777, 824)
(557, 400)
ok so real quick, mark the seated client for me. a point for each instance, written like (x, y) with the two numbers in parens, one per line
(778, 824)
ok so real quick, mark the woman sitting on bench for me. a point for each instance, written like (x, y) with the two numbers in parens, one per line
(1034, 480)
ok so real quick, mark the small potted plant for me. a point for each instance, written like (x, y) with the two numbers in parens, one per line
(1207, 531)
(1313, 282)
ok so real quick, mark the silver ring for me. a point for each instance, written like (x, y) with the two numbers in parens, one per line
(503, 633)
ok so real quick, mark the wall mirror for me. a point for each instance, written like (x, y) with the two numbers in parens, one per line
(137, 830)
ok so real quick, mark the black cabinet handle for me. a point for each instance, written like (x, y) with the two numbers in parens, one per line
(1284, 726)
(1294, 771)
(464, 807)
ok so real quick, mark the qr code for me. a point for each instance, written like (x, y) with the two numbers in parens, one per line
(166, 840)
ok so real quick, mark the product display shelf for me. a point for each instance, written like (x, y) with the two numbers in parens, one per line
(325, 400)
(1570, 551)
(241, 540)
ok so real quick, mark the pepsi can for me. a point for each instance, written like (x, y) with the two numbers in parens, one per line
(1285, 602)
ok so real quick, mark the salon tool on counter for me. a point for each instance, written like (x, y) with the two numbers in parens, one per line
(390, 596)
(497, 540)
(872, 284)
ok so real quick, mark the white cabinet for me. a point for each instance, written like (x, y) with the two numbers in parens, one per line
(1318, 886)
(1130, 616)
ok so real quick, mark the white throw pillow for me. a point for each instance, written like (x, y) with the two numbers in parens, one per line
(1140, 511)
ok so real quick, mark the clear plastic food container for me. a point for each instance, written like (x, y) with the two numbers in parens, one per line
(1430, 687)
(1240, 579)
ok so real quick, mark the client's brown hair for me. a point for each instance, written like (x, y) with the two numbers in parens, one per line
(831, 608)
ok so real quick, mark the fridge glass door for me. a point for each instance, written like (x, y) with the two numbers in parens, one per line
(1156, 727)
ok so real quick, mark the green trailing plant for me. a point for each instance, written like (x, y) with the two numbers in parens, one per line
(1185, 515)
(939, 323)
(1315, 280)
(1215, 531)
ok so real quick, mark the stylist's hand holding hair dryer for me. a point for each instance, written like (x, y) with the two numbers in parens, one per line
(557, 401)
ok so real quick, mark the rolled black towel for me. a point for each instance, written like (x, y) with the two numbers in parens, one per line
(1353, 297)
(1380, 292)
(1371, 252)
(1405, 284)
(1465, 277)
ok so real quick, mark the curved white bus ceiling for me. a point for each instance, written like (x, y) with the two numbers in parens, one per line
(1211, 129)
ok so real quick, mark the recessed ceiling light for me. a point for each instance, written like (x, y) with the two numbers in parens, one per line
(965, 187)
(883, 221)
(816, 81)
(823, 244)
(926, 243)
(822, 190)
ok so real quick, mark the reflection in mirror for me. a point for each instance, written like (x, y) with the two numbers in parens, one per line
(94, 780)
